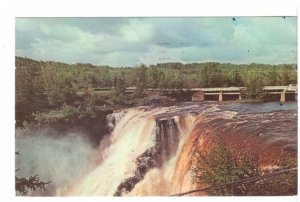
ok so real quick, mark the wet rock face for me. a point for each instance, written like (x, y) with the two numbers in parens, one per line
(113, 119)
(166, 143)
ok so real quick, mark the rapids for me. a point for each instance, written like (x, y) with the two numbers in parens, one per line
(148, 150)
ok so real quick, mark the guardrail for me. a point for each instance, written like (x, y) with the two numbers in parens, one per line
(224, 89)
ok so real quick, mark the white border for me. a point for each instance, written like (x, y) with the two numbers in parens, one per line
(99, 8)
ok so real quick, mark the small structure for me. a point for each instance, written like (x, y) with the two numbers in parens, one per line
(198, 96)
(221, 96)
(282, 96)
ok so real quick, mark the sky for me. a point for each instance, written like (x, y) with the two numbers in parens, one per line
(133, 41)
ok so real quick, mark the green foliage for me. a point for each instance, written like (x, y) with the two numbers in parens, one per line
(284, 184)
(141, 81)
(30, 90)
(119, 96)
(65, 113)
(254, 89)
(141, 77)
(235, 78)
(23, 185)
(222, 165)
(214, 75)
(155, 77)
(171, 80)
(59, 83)
(48, 85)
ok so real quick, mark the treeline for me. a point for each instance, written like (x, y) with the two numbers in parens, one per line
(49, 85)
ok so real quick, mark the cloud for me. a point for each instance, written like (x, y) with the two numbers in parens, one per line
(137, 30)
(130, 41)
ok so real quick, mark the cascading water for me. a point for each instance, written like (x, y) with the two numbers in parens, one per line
(142, 141)
(148, 151)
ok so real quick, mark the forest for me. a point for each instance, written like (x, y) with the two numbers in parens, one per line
(45, 86)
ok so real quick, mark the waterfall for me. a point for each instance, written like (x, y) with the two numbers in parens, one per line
(142, 142)
(148, 151)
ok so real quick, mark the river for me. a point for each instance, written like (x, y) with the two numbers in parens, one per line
(148, 150)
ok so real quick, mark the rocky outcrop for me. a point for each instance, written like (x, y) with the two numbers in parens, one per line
(166, 144)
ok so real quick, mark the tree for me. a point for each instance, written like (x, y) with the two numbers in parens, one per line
(223, 164)
(60, 84)
(23, 185)
(106, 78)
(141, 79)
(154, 77)
(119, 95)
(30, 91)
(254, 86)
(220, 165)
(273, 77)
(235, 78)
(286, 76)
(212, 76)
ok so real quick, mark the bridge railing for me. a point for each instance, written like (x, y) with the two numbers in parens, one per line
(286, 88)
(217, 89)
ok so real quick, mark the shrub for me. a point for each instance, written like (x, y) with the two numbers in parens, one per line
(119, 97)
(66, 113)
(222, 165)
(284, 184)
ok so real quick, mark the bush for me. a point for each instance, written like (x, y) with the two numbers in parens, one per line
(119, 97)
(284, 184)
(66, 113)
(222, 165)
(253, 92)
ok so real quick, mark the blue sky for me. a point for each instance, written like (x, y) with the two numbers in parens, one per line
(132, 41)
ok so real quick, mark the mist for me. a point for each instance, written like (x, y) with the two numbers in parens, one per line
(59, 158)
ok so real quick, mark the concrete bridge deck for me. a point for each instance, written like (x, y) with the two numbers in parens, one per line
(233, 91)
(227, 89)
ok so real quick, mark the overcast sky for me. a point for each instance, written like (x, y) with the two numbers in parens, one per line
(132, 41)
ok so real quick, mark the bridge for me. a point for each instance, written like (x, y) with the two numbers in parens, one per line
(284, 93)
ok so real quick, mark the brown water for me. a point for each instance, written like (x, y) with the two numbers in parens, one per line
(274, 122)
(149, 149)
